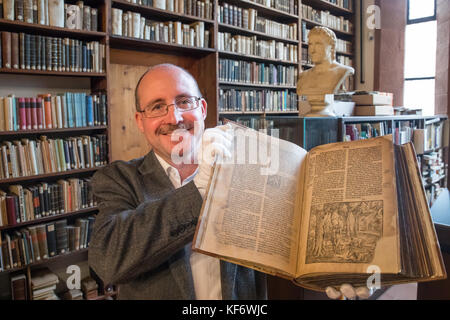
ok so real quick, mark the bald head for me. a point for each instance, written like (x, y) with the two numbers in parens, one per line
(159, 70)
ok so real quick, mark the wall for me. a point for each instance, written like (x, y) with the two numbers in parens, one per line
(366, 82)
(442, 101)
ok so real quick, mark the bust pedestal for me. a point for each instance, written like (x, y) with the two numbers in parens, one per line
(321, 105)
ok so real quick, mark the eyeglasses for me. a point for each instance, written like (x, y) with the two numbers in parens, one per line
(181, 104)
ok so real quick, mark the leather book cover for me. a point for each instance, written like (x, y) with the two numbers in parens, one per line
(14, 50)
(6, 49)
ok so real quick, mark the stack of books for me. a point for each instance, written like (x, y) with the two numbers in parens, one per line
(43, 284)
(90, 288)
(373, 103)
(73, 294)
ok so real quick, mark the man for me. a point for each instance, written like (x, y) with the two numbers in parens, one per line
(148, 207)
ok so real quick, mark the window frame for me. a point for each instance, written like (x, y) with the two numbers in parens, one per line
(419, 20)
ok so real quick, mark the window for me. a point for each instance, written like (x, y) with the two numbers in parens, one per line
(420, 55)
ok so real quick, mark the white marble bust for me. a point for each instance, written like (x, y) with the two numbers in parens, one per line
(327, 75)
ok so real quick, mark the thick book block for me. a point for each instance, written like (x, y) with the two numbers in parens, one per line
(374, 99)
(374, 111)
(94, 19)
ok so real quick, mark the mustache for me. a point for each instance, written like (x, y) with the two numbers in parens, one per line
(169, 128)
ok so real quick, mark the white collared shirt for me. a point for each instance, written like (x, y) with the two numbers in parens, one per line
(205, 269)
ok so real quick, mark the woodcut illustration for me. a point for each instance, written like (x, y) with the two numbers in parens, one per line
(344, 232)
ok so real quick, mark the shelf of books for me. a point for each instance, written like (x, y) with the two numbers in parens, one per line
(258, 47)
(337, 15)
(52, 140)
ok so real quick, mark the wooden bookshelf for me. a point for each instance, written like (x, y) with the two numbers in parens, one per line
(49, 131)
(50, 218)
(237, 30)
(52, 73)
(46, 261)
(129, 43)
(96, 81)
(339, 33)
(158, 14)
(33, 28)
(326, 5)
(48, 175)
(255, 85)
(268, 12)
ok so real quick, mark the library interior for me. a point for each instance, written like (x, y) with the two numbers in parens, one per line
(68, 109)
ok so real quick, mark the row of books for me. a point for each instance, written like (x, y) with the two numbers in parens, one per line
(249, 19)
(251, 46)
(346, 4)
(361, 131)
(202, 9)
(288, 6)
(345, 60)
(28, 203)
(54, 13)
(327, 19)
(231, 100)
(131, 24)
(433, 167)
(43, 241)
(36, 52)
(29, 157)
(46, 111)
(341, 45)
(431, 137)
(256, 73)
(256, 123)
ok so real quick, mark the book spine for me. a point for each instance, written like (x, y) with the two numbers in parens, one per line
(6, 49)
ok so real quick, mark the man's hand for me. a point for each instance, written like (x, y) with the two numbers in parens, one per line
(216, 146)
(347, 291)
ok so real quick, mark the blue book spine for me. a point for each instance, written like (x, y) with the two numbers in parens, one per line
(78, 110)
(84, 110)
(74, 109)
(90, 110)
(14, 113)
(69, 110)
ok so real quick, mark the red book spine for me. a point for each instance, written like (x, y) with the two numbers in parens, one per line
(39, 110)
(48, 111)
(34, 123)
(11, 210)
(28, 111)
(23, 114)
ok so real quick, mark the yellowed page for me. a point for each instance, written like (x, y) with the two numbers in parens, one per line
(249, 215)
(350, 204)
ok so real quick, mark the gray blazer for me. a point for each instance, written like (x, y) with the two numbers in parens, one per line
(143, 233)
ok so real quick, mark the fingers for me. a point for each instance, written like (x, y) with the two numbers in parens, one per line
(348, 291)
(363, 292)
(332, 293)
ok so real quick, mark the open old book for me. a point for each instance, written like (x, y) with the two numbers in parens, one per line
(324, 216)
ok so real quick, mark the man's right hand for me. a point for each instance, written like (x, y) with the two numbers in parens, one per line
(216, 146)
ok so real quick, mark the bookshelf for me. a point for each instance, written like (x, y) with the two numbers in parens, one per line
(93, 55)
